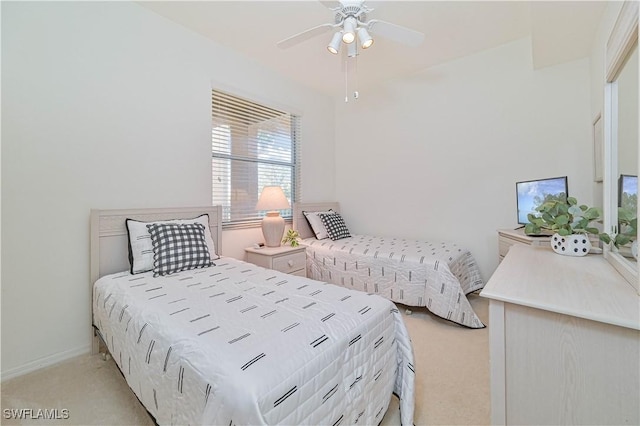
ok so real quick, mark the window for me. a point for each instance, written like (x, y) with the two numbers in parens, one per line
(252, 146)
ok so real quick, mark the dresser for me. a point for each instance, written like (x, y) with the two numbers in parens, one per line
(509, 237)
(564, 340)
(287, 259)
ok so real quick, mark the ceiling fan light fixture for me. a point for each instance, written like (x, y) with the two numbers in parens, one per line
(352, 50)
(349, 34)
(334, 45)
(365, 38)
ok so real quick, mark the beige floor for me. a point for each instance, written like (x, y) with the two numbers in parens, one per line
(452, 381)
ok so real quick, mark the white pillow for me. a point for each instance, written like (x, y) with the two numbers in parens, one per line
(141, 247)
(316, 223)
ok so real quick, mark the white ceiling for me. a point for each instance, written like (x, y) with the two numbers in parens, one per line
(560, 31)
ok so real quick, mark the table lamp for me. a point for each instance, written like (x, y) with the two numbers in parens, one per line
(272, 199)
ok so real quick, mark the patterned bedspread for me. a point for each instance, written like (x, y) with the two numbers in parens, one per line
(238, 344)
(414, 273)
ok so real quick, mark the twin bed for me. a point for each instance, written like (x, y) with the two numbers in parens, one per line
(234, 343)
(437, 276)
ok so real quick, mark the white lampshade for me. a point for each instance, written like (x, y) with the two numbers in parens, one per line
(334, 46)
(365, 39)
(352, 50)
(272, 198)
(349, 34)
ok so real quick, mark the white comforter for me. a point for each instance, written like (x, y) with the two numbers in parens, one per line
(414, 273)
(238, 344)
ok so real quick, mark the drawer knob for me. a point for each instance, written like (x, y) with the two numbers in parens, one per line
(290, 263)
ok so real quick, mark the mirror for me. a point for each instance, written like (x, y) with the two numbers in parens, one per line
(621, 140)
(626, 86)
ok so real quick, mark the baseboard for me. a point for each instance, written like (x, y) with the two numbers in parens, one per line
(44, 362)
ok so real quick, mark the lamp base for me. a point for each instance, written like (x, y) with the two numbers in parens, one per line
(272, 229)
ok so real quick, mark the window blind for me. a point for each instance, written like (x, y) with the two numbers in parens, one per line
(252, 146)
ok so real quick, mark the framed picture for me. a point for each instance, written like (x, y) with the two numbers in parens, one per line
(597, 149)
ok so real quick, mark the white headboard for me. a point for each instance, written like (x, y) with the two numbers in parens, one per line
(109, 241)
(300, 223)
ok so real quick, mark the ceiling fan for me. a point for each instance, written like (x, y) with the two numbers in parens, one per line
(350, 23)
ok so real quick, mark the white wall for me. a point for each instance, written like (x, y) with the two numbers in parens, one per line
(436, 156)
(107, 105)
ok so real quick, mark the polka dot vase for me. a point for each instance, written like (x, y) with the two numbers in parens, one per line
(571, 245)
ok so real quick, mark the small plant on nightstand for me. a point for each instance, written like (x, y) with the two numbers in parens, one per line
(291, 237)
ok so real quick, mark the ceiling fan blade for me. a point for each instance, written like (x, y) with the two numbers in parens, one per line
(331, 4)
(396, 32)
(305, 35)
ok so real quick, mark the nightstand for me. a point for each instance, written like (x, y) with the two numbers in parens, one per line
(287, 259)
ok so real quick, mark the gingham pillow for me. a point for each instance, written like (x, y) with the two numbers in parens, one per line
(178, 247)
(334, 223)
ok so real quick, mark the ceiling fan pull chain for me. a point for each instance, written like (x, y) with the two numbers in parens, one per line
(355, 93)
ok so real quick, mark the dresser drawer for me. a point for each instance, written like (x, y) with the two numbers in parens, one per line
(290, 262)
(504, 245)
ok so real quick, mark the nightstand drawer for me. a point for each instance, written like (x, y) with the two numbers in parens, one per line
(290, 262)
(287, 259)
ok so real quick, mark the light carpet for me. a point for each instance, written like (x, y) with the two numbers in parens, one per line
(452, 382)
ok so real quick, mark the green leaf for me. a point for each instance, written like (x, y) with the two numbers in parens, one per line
(591, 213)
(562, 208)
(575, 210)
(579, 223)
(572, 201)
(624, 215)
(538, 222)
(621, 240)
(605, 238)
(562, 219)
(584, 222)
(563, 232)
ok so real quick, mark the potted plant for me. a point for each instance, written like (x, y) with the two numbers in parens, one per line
(570, 224)
(291, 237)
